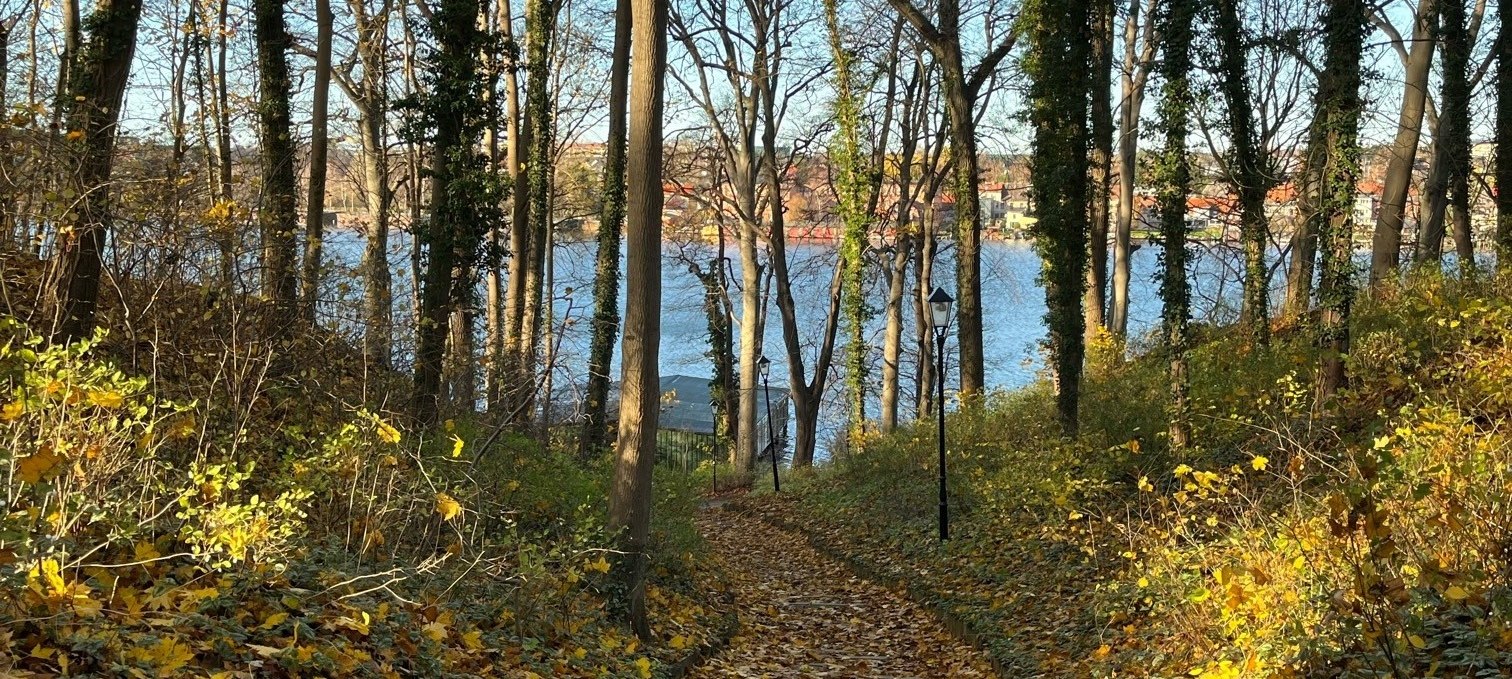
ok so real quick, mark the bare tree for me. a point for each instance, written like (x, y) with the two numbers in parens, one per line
(962, 89)
(1138, 59)
(640, 377)
(319, 141)
(1386, 244)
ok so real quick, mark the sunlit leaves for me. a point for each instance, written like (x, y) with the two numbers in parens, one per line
(447, 506)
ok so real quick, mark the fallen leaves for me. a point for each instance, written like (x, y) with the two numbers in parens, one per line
(806, 615)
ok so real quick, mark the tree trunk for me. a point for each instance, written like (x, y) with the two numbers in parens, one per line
(540, 19)
(968, 233)
(1247, 173)
(315, 198)
(1454, 122)
(750, 349)
(640, 391)
(1136, 62)
(892, 331)
(97, 82)
(1058, 114)
(277, 216)
(517, 142)
(611, 218)
(1173, 181)
(1101, 165)
(923, 335)
(223, 103)
(448, 236)
(1504, 144)
(1386, 244)
(1339, 108)
(378, 300)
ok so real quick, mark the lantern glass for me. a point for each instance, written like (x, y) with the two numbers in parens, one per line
(939, 309)
(764, 366)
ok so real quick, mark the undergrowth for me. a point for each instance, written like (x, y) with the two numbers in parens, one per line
(229, 515)
(1363, 537)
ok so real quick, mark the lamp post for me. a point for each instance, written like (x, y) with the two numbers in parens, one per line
(764, 366)
(939, 317)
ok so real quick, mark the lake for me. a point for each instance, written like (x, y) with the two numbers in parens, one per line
(1013, 303)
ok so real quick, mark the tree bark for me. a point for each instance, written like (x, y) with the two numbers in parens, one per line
(1101, 168)
(315, 197)
(1339, 108)
(1173, 181)
(1136, 69)
(1386, 243)
(97, 82)
(611, 219)
(1247, 174)
(1454, 120)
(640, 379)
(277, 216)
(1058, 176)
(1504, 143)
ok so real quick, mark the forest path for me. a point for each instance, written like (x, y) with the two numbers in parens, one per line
(803, 614)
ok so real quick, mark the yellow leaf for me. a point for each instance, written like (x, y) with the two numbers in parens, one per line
(1417, 641)
(456, 446)
(1144, 582)
(38, 466)
(106, 399)
(1145, 485)
(473, 640)
(436, 631)
(52, 573)
(1456, 593)
(74, 135)
(1259, 462)
(387, 432)
(447, 507)
(643, 667)
(12, 411)
(601, 565)
(274, 620)
(678, 642)
(451, 426)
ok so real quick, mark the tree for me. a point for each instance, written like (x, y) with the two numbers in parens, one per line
(1334, 161)
(368, 93)
(918, 160)
(1100, 185)
(1247, 173)
(962, 90)
(1386, 244)
(1173, 184)
(1058, 63)
(97, 77)
(611, 218)
(1504, 143)
(1138, 59)
(277, 215)
(1448, 184)
(464, 199)
(640, 379)
(315, 197)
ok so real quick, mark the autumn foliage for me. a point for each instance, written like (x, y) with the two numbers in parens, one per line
(1366, 536)
(152, 536)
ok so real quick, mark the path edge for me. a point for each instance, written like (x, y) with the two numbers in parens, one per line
(957, 626)
(728, 628)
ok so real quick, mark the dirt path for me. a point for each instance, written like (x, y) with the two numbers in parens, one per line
(804, 615)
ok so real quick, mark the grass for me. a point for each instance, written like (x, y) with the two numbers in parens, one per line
(1362, 537)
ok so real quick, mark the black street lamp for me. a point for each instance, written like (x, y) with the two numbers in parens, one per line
(764, 366)
(939, 317)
